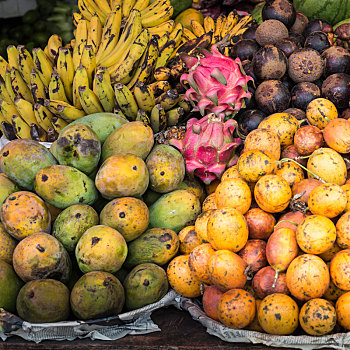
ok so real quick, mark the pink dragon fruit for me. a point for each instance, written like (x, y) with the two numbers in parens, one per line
(218, 83)
(208, 147)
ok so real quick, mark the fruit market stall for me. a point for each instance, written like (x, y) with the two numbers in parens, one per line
(172, 153)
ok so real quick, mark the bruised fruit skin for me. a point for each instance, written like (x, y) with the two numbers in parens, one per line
(144, 285)
(308, 139)
(21, 159)
(122, 175)
(39, 256)
(134, 137)
(227, 270)
(272, 193)
(304, 188)
(129, 216)
(343, 231)
(72, 223)
(316, 234)
(24, 213)
(317, 317)
(175, 210)
(320, 111)
(63, 186)
(342, 308)
(6, 187)
(260, 224)
(291, 172)
(42, 301)
(328, 165)
(254, 255)
(307, 277)
(157, 245)
(236, 308)
(182, 279)
(209, 203)
(10, 285)
(227, 229)
(340, 269)
(278, 314)
(337, 135)
(234, 193)
(97, 294)
(201, 225)
(7, 245)
(328, 200)
(166, 168)
(101, 248)
(198, 261)
(211, 297)
(189, 240)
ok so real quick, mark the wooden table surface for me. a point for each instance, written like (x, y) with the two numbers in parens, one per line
(179, 332)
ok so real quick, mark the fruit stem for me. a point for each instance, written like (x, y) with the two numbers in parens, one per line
(275, 279)
(292, 222)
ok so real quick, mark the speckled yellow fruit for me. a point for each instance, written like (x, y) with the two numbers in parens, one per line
(343, 231)
(188, 239)
(342, 308)
(182, 279)
(346, 189)
(316, 234)
(198, 261)
(209, 203)
(201, 225)
(231, 173)
(7, 245)
(340, 269)
(330, 253)
(320, 111)
(278, 314)
(291, 172)
(328, 200)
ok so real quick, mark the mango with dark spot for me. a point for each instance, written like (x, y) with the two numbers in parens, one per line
(20, 160)
(157, 245)
(101, 248)
(24, 213)
(134, 137)
(144, 285)
(41, 256)
(97, 294)
(72, 223)
(6, 187)
(63, 186)
(103, 124)
(10, 285)
(45, 300)
(79, 147)
(122, 175)
(166, 168)
(128, 215)
(7, 245)
(175, 210)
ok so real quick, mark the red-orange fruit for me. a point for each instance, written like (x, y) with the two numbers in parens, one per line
(210, 301)
(254, 255)
(337, 135)
(342, 308)
(308, 139)
(340, 269)
(304, 188)
(260, 224)
(290, 220)
(291, 152)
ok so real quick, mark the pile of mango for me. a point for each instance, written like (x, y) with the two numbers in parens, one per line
(89, 225)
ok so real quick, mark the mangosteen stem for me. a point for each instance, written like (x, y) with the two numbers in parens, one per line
(275, 279)
(302, 166)
(292, 222)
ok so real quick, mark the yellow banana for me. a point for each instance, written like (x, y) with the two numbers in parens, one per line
(51, 106)
(176, 34)
(241, 26)
(114, 3)
(80, 79)
(164, 55)
(141, 4)
(37, 87)
(174, 116)
(89, 100)
(144, 97)
(69, 113)
(24, 63)
(168, 99)
(167, 26)
(8, 110)
(177, 70)
(152, 8)
(58, 123)
(162, 73)
(80, 42)
(160, 87)
(93, 8)
(126, 101)
(220, 23)
(53, 44)
(147, 63)
(19, 86)
(94, 33)
(103, 5)
(121, 71)
(143, 117)
(131, 30)
(76, 17)
(104, 90)
(188, 34)
(56, 89)
(42, 65)
(88, 61)
(22, 129)
(127, 7)
(43, 116)
(163, 40)
(47, 53)
(12, 56)
(9, 86)
(231, 21)
(65, 69)
(158, 17)
(158, 118)
(37, 133)
(110, 34)
(3, 67)
(4, 95)
(84, 10)
(197, 28)
(26, 110)
(209, 24)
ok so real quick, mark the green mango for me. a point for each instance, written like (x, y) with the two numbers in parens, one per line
(6, 187)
